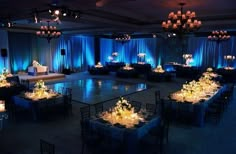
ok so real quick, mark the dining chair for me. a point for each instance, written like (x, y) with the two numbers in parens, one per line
(136, 104)
(157, 96)
(151, 108)
(85, 113)
(46, 147)
(68, 101)
(98, 108)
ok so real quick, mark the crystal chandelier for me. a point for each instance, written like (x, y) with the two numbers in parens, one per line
(181, 22)
(218, 36)
(48, 32)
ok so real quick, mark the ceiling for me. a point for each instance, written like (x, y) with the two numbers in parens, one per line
(110, 16)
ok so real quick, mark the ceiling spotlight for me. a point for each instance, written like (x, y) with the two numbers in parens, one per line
(75, 15)
(56, 12)
(9, 24)
(64, 12)
(50, 11)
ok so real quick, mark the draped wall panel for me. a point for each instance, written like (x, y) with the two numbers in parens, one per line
(127, 52)
(24, 48)
(4, 44)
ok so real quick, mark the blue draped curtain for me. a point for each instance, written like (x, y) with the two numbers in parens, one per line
(127, 52)
(4, 45)
(24, 48)
(210, 53)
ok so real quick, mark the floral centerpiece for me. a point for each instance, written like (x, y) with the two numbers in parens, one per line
(39, 88)
(123, 113)
(35, 63)
(3, 81)
(6, 73)
(99, 65)
(40, 91)
(158, 69)
(127, 67)
(195, 91)
(210, 74)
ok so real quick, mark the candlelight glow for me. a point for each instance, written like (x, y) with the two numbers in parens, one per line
(159, 69)
(40, 92)
(123, 113)
(2, 106)
(99, 65)
(127, 67)
(195, 91)
(3, 81)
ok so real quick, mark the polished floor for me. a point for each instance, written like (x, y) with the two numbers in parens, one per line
(22, 136)
(94, 90)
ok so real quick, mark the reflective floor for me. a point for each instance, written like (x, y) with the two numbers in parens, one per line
(91, 91)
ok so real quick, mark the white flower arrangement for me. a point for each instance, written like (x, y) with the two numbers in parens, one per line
(40, 85)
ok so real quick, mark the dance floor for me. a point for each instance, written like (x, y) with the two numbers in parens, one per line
(92, 91)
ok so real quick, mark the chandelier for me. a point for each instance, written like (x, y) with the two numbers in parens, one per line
(123, 38)
(229, 57)
(48, 32)
(218, 36)
(181, 22)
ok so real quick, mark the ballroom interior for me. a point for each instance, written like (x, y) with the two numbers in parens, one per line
(117, 76)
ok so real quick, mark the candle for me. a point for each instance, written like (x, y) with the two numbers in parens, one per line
(2, 106)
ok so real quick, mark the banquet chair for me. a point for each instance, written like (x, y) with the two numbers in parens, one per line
(68, 101)
(151, 108)
(46, 147)
(98, 108)
(136, 104)
(85, 113)
(157, 96)
(215, 110)
(26, 84)
(88, 137)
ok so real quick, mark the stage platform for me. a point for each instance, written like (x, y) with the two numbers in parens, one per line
(49, 77)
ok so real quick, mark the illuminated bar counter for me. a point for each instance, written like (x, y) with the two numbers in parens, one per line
(194, 98)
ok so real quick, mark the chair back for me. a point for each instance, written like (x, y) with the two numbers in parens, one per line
(157, 96)
(13, 79)
(85, 113)
(137, 105)
(46, 147)
(98, 108)
(151, 108)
